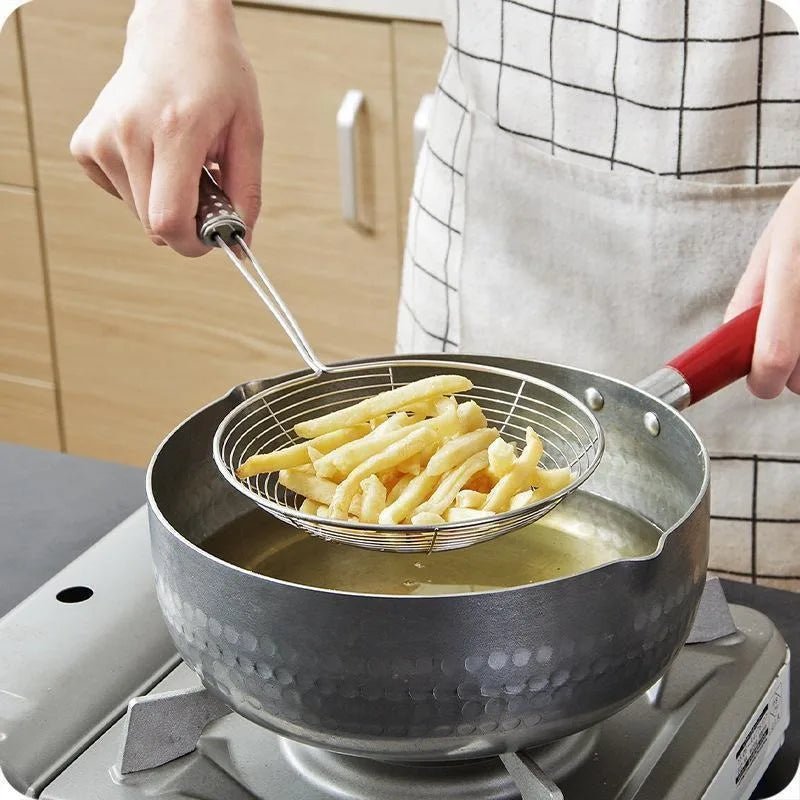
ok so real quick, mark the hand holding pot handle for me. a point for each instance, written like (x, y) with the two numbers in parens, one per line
(719, 359)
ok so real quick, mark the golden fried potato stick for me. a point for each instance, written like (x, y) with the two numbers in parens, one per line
(398, 488)
(339, 462)
(415, 492)
(480, 482)
(297, 454)
(309, 506)
(520, 477)
(550, 481)
(470, 416)
(425, 408)
(383, 403)
(425, 519)
(467, 498)
(373, 499)
(521, 499)
(502, 455)
(343, 461)
(395, 453)
(452, 482)
(460, 514)
(459, 449)
(319, 490)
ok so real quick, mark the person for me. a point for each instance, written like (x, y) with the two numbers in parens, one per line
(601, 183)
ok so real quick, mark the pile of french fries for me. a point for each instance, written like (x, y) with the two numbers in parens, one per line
(411, 455)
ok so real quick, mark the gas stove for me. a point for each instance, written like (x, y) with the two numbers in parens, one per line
(94, 703)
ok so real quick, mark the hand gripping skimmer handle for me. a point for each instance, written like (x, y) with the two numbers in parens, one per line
(216, 215)
(717, 360)
(218, 225)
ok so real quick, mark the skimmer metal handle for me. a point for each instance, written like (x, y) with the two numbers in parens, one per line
(218, 225)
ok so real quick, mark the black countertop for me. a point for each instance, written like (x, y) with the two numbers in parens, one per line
(54, 506)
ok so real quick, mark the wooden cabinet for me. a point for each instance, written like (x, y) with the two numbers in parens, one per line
(143, 336)
(15, 156)
(418, 54)
(28, 406)
(27, 389)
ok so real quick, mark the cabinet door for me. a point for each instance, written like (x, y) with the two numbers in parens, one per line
(27, 391)
(15, 157)
(419, 49)
(144, 336)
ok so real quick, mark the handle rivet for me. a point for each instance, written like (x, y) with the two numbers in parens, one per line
(651, 423)
(593, 399)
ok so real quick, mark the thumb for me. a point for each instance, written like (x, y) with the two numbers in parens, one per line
(241, 167)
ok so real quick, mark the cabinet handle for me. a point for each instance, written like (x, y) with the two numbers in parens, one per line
(422, 121)
(347, 135)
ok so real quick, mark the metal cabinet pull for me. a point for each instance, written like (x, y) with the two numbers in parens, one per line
(422, 121)
(347, 136)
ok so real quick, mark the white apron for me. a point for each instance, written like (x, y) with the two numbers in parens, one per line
(520, 246)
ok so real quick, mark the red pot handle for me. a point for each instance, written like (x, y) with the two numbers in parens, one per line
(720, 358)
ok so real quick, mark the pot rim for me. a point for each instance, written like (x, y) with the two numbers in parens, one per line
(609, 566)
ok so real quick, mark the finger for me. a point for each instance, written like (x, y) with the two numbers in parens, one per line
(750, 288)
(81, 150)
(137, 158)
(110, 162)
(177, 162)
(777, 347)
(794, 379)
(241, 167)
(97, 176)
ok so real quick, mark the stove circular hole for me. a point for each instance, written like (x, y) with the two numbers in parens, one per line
(74, 594)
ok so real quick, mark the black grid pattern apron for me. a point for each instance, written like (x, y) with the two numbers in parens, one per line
(594, 177)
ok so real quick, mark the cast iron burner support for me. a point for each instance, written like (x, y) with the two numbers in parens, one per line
(162, 727)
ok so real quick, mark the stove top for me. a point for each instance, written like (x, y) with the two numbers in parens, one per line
(708, 729)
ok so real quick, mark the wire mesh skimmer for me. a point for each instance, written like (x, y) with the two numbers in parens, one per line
(265, 422)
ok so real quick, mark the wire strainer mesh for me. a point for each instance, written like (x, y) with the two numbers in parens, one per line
(511, 401)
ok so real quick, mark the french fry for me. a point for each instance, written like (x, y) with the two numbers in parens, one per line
(312, 487)
(502, 455)
(520, 477)
(297, 454)
(467, 498)
(417, 463)
(375, 421)
(458, 450)
(390, 477)
(373, 499)
(425, 519)
(480, 482)
(339, 462)
(309, 506)
(383, 403)
(461, 514)
(322, 511)
(422, 409)
(416, 491)
(521, 499)
(398, 488)
(390, 457)
(550, 481)
(442, 405)
(470, 416)
(452, 482)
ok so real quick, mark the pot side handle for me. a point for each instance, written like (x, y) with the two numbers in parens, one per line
(723, 356)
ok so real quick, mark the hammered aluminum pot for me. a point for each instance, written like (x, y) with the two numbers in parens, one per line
(441, 677)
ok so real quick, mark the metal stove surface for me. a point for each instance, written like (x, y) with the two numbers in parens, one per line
(707, 730)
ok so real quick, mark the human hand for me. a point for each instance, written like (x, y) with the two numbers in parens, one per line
(184, 95)
(773, 278)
